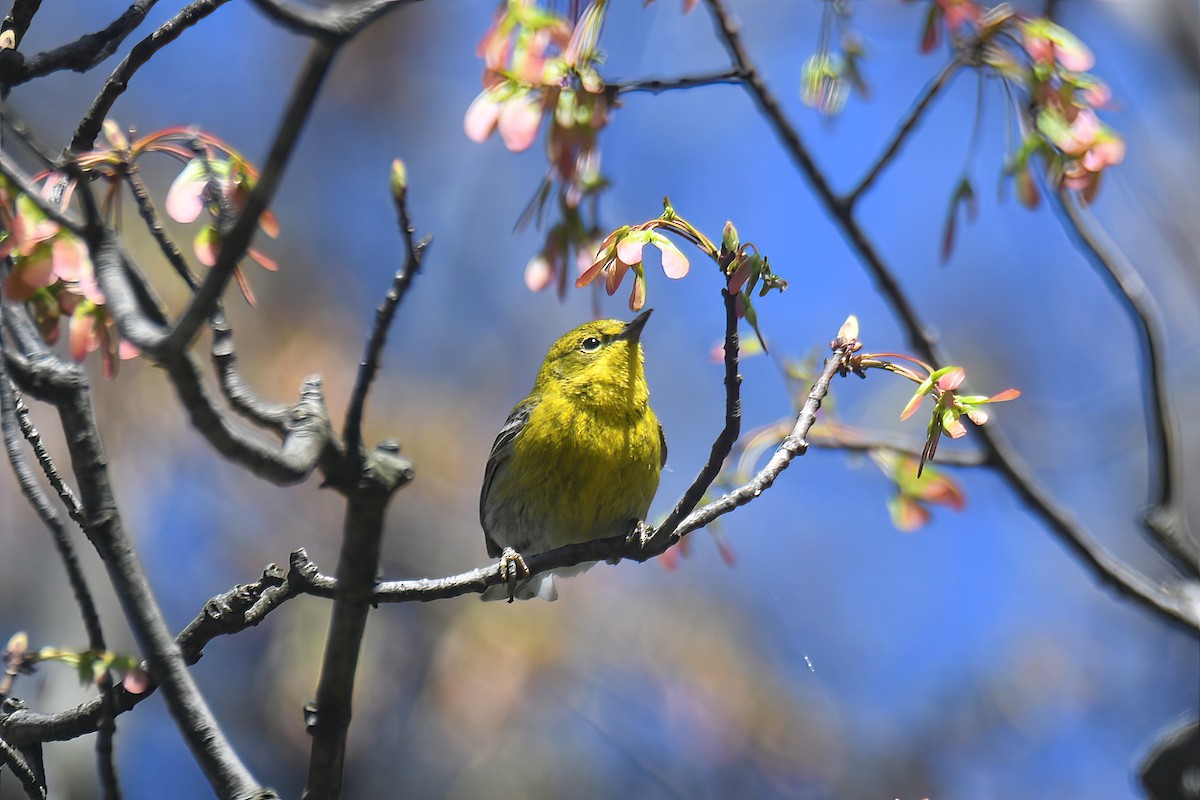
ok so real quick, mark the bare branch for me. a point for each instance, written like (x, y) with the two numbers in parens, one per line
(612, 549)
(19, 17)
(367, 497)
(270, 416)
(236, 239)
(89, 127)
(224, 770)
(13, 413)
(34, 788)
(338, 23)
(1166, 523)
(384, 315)
(728, 436)
(659, 85)
(1179, 602)
(81, 55)
(861, 441)
(902, 132)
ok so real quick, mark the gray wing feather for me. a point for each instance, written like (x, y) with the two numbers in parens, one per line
(501, 451)
(662, 439)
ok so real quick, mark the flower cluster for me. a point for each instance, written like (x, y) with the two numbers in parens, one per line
(949, 407)
(829, 74)
(50, 268)
(1057, 111)
(51, 271)
(915, 493)
(621, 252)
(568, 241)
(215, 178)
(92, 666)
(537, 66)
(1077, 145)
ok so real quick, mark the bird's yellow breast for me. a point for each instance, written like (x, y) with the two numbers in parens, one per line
(596, 472)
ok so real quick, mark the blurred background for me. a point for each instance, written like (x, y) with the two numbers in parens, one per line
(837, 657)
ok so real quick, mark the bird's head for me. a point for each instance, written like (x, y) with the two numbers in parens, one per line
(599, 363)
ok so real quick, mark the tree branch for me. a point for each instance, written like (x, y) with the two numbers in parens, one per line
(384, 315)
(19, 18)
(1167, 522)
(81, 55)
(612, 549)
(659, 85)
(34, 788)
(231, 612)
(224, 770)
(378, 479)
(902, 132)
(855, 441)
(236, 238)
(728, 436)
(1178, 602)
(89, 127)
(338, 23)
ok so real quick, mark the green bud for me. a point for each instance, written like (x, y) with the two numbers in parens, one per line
(399, 180)
(729, 238)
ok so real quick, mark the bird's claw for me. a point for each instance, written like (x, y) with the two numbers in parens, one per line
(512, 568)
(639, 534)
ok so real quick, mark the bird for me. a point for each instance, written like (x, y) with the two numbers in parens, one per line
(578, 459)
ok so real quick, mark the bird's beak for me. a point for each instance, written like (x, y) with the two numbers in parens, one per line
(633, 330)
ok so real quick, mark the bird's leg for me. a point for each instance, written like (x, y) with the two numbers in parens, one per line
(639, 532)
(512, 569)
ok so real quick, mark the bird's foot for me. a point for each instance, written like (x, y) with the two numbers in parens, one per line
(512, 568)
(639, 533)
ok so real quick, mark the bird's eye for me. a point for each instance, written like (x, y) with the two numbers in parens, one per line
(590, 345)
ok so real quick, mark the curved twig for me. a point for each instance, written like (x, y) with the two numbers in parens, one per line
(728, 436)
(1166, 523)
(34, 788)
(337, 23)
(384, 315)
(902, 133)
(236, 239)
(89, 127)
(11, 409)
(1178, 602)
(658, 85)
(81, 55)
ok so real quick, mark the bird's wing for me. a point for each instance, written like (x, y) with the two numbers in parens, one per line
(662, 440)
(502, 449)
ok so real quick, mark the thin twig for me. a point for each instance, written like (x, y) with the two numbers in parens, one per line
(658, 85)
(384, 315)
(190, 712)
(902, 132)
(15, 419)
(231, 612)
(1178, 602)
(81, 55)
(105, 734)
(1166, 523)
(19, 17)
(612, 549)
(34, 789)
(89, 127)
(149, 215)
(729, 433)
(860, 442)
(236, 239)
(241, 398)
(338, 23)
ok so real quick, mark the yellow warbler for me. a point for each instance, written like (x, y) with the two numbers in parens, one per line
(578, 459)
